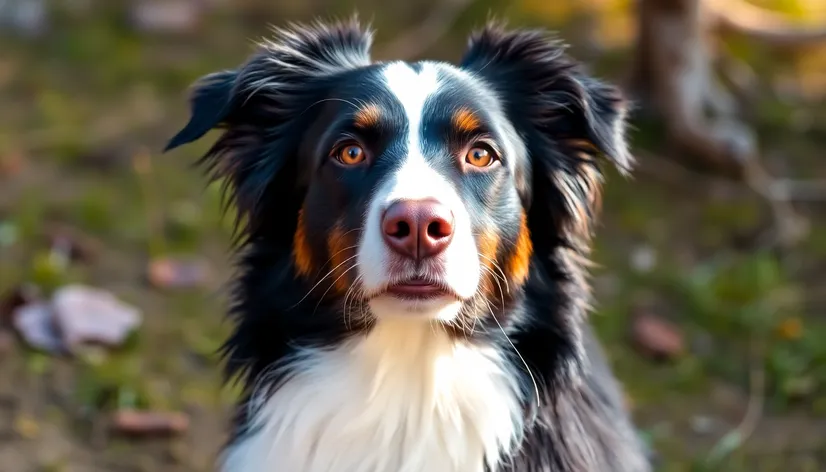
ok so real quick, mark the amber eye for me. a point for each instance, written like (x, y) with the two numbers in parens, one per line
(480, 157)
(350, 155)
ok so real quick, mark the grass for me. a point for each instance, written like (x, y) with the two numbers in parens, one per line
(90, 106)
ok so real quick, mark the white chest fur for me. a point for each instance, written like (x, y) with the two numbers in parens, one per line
(406, 398)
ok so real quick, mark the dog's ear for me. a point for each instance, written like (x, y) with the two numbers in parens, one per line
(264, 107)
(539, 82)
(210, 103)
(569, 121)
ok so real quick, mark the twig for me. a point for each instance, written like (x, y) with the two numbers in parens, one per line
(754, 411)
(798, 190)
(416, 40)
(737, 16)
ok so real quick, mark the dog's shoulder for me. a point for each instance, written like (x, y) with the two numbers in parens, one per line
(585, 426)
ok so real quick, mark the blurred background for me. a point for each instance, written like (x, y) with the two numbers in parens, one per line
(711, 276)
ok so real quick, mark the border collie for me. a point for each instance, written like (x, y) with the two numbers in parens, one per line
(413, 243)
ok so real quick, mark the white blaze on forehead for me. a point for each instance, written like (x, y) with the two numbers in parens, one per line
(412, 90)
(415, 179)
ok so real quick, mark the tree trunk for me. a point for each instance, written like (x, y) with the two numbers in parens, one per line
(673, 78)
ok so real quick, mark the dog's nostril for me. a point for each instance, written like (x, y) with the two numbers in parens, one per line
(402, 230)
(439, 229)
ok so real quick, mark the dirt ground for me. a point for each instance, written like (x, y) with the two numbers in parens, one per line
(87, 108)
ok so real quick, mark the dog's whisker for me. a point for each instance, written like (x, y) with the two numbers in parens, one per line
(333, 284)
(501, 293)
(527, 368)
(354, 246)
(323, 278)
(498, 268)
(349, 303)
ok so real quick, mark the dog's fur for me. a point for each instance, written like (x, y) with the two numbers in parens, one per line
(339, 376)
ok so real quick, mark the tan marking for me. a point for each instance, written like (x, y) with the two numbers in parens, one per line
(301, 248)
(367, 116)
(340, 249)
(488, 247)
(465, 120)
(518, 264)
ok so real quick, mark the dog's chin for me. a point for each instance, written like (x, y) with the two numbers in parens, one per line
(388, 306)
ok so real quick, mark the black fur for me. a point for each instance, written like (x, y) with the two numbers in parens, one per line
(276, 115)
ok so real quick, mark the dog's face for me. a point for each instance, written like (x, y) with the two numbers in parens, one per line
(411, 189)
(413, 183)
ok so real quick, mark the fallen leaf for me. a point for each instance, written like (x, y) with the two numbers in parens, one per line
(171, 273)
(89, 315)
(35, 323)
(11, 164)
(656, 337)
(790, 329)
(149, 423)
(26, 427)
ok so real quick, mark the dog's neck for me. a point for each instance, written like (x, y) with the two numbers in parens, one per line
(404, 397)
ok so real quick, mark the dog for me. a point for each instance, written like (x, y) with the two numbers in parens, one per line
(413, 245)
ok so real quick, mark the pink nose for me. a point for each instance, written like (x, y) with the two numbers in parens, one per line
(417, 228)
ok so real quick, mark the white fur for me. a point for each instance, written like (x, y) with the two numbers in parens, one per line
(405, 398)
(415, 179)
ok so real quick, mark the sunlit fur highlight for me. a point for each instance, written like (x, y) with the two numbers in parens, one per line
(342, 249)
(466, 121)
(488, 245)
(367, 116)
(302, 254)
(520, 258)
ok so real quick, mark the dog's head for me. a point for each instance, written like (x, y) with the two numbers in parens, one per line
(418, 190)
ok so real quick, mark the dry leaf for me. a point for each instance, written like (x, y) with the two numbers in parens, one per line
(171, 273)
(11, 164)
(89, 315)
(657, 337)
(26, 427)
(790, 329)
(149, 423)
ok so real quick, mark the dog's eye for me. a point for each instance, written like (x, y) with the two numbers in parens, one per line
(479, 156)
(350, 155)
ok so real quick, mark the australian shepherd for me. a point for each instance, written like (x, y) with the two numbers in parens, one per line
(413, 243)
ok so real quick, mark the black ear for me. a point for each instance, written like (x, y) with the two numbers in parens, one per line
(210, 103)
(540, 83)
(263, 108)
(569, 122)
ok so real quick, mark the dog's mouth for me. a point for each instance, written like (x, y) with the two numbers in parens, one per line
(418, 289)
